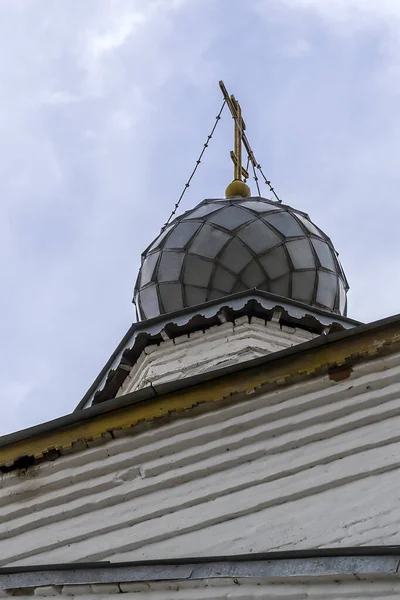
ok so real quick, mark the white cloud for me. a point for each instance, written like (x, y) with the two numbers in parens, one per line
(104, 108)
(81, 86)
(342, 10)
(116, 35)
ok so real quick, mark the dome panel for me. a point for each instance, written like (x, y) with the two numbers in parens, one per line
(253, 275)
(223, 280)
(301, 254)
(260, 206)
(303, 284)
(280, 286)
(235, 256)
(171, 296)
(342, 297)
(275, 262)
(209, 241)
(285, 224)
(148, 267)
(197, 271)
(324, 254)
(308, 225)
(170, 266)
(202, 210)
(258, 237)
(231, 217)
(227, 246)
(148, 300)
(181, 234)
(215, 294)
(239, 287)
(159, 240)
(195, 295)
(327, 289)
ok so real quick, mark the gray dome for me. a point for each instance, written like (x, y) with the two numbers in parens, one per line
(225, 246)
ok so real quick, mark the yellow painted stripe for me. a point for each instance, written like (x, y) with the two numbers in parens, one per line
(270, 374)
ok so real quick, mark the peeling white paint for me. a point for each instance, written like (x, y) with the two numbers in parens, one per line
(217, 347)
(222, 589)
(311, 465)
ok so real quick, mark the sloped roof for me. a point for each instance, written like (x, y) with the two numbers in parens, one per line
(331, 564)
(188, 320)
(334, 354)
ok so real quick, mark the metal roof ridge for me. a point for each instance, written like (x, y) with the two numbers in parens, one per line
(151, 392)
(310, 564)
(208, 310)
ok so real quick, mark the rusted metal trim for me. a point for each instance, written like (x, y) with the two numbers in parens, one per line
(354, 563)
(314, 357)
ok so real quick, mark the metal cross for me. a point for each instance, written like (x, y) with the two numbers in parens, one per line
(239, 135)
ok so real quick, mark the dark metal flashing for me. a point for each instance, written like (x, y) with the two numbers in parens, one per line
(152, 392)
(185, 321)
(335, 563)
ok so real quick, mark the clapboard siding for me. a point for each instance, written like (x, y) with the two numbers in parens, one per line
(377, 589)
(310, 465)
(221, 589)
(199, 352)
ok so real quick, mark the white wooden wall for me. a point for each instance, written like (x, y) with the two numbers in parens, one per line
(312, 465)
(377, 589)
(204, 351)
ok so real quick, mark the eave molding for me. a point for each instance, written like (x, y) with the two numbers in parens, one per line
(97, 424)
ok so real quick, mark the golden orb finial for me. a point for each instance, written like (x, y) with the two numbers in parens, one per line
(237, 188)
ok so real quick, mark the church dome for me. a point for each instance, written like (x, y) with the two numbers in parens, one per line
(223, 246)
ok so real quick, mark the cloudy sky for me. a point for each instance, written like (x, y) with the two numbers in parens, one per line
(104, 106)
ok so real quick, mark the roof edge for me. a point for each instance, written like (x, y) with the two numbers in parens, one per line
(206, 315)
(151, 392)
(289, 565)
(383, 550)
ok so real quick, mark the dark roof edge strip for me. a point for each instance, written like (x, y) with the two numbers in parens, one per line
(390, 550)
(107, 367)
(220, 302)
(310, 564)
(152, 392)
(142, 326)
